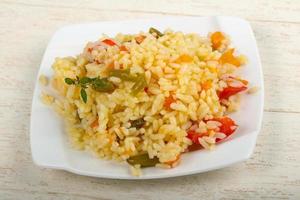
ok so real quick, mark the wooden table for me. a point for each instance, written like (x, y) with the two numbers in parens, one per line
(273, 172)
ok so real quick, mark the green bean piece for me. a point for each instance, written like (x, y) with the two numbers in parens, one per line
(156, 32)
(139, 85)
(103, 85)
(122, 74)
(143, 160)
(138, 123)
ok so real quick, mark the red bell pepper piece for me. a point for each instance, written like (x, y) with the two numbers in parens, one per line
(229, 91)
(228, 126)
(192, 135)
(194, 147)
(109, 42)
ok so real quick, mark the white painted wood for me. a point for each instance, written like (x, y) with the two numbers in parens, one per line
(273, 172)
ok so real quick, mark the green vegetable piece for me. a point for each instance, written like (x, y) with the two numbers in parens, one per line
(69, 81)
(140, 80)
(122, 74)
(140, 84)
(156, 32)
(103, 85)
(138, 123)
(143, 160)
(85, 80)
(83, 95)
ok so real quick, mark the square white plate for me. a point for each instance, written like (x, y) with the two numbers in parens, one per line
(49, 143)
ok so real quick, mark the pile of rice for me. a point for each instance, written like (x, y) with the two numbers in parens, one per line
(174, 64)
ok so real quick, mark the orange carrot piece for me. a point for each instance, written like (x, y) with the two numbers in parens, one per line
(206, 85)
(173, 161)
(111, 65)
(139, 39)
(123, 48)
(184, 58)
(95, 123)
(216, 39)
(168, 101)
(228, 57)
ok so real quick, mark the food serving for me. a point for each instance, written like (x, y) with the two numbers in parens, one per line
(150, 97)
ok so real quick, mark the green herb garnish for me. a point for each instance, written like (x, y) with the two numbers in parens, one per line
(98, 84)
(85, 80)
(69, 81)
(83, 95)
(104, 85)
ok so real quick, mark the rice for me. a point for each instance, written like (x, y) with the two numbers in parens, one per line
(136, 170)
(43, 80)
(168, 97)
(252, 90)
(47, 99)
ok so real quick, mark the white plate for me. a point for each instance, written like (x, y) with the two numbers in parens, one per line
(49, 143)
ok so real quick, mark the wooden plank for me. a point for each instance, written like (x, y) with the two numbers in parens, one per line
(286, 10)
(280, 64)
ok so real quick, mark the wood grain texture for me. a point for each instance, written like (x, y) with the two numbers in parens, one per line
(273, 172)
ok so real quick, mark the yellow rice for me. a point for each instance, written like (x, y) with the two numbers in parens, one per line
(165, 132)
